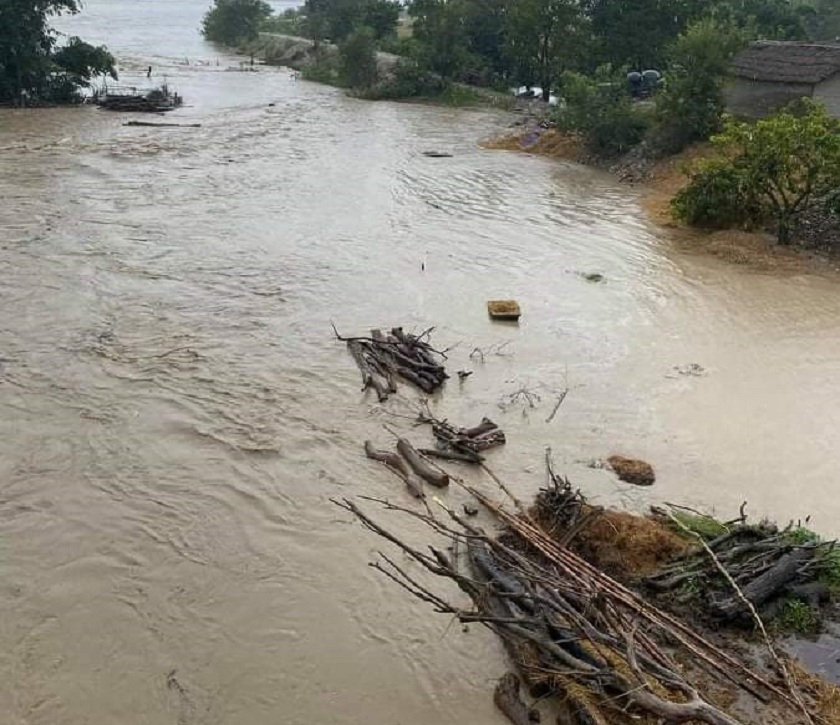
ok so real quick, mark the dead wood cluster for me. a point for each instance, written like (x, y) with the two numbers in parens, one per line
(575, 634)
(461, 444)
(382, 358)
(771, 567)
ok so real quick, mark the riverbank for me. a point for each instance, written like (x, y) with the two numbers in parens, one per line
(320, 63)
(816, 241)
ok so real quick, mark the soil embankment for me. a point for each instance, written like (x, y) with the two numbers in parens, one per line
(299, 53)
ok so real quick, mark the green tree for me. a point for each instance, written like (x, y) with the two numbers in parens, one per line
(637, 33)
(337, 19)
(780, 167)
(439, 28)
(765, 19)
(543, 39)
(822, 20)
(357, 58)
(691, 107)
(26, 44)
(30, 65)
(381, 16)
(84, 61)
(485, 23)
(232, 21)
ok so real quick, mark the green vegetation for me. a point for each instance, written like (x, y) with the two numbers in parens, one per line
(289, 22)
(601, 111)
(357, 59)
(335, 20)
(540, 43)
(33, 69)
(234, 21)
(691, 107)
(797, 617)
(706, 526)
(772, 171)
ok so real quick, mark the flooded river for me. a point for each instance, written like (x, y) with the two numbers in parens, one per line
(176, 414)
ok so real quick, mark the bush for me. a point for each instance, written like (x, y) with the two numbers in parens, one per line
(715, 197)
(325, 69)
(357, 59)
(775, 170)
(602, 112)
(410, 80)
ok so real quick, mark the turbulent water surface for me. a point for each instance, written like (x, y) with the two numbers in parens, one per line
(176, 414)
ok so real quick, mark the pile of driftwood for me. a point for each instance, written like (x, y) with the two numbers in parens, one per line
(409, 465)
(384, 357)
(598, 649)
(461, 444)
(770, 567)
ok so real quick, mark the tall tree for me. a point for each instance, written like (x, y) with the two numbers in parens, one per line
(691, 107)
(440, 29)
(337, 19)
(637, 33)
(26, 43)
(30, 66)
(543, 39)
(230, 21)
(766, 19)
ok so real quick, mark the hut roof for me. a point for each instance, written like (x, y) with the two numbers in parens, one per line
(781, 62)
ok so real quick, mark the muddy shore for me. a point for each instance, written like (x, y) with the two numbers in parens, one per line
(816, 243)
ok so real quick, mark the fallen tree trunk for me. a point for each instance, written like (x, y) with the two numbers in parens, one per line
(399, 465)
(420, 466)
(767, 585)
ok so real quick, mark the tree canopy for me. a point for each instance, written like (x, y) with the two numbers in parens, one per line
(337, 19)
(232, 21)
(30, 65)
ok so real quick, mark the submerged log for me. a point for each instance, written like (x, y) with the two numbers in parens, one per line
(399, 465)
(420, 466)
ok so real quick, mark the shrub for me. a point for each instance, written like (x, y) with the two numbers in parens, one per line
(715, 197)
(410, 80)
(776, 169)
(602, 112)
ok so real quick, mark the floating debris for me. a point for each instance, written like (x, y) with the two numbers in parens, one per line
(632, 470)
(504, 310)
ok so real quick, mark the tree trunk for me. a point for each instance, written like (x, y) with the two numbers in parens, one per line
(783, 230)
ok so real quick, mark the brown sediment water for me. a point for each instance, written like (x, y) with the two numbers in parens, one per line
(176, 414)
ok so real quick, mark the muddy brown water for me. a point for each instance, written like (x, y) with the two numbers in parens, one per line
(176, 415)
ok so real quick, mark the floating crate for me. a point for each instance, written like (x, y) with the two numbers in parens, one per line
(504, 309)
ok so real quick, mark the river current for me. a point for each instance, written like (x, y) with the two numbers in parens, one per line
(177, 415)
